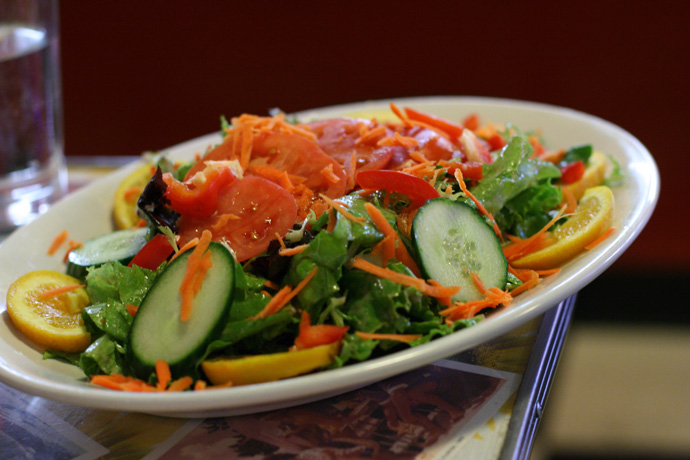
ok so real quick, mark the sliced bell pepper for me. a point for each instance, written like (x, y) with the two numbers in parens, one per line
(418, 190)
(319, 334)
(154, 252)
(198, 195)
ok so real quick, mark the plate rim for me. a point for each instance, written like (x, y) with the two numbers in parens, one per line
(246, 399)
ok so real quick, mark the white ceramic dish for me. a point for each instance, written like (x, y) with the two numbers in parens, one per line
(86, 214)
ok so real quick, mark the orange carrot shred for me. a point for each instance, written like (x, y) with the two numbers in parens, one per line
(188, 283)
(284, 296)
(461, 181)
(60, 290)
(181, 384)
(187, 246)
(57, 242)
(569, 199)
(288, 252)
(596, 242)
(72, 246)
(341, 209)
(328, 173)
(162, 374)
(478, 282)
(528, 245)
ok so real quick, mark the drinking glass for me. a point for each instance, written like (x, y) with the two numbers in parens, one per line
(32, 164)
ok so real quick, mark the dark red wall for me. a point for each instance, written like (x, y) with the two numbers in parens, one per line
(146, 75)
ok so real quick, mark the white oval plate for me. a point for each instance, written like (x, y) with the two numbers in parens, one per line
(87, 213)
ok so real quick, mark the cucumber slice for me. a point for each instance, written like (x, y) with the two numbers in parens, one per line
(119, 246)
(452, 241)
(157, 331)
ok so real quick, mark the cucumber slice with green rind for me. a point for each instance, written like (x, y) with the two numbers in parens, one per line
(119, 246)
(452, 242)
(157, 332)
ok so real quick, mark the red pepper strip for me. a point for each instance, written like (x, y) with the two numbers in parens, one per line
(157, 250)
(572, 172)
(417, 189)
(197, 196)
(452, 129)
(320, 334)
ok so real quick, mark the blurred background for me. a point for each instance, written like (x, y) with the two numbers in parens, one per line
(141, 76)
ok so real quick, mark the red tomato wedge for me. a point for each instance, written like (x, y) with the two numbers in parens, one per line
(249, 214)
(340, 137)
(319, 334)
(157, 250)
(417, 189)
(299, 156)
(572, 172)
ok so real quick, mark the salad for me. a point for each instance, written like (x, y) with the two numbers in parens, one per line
(294, 247)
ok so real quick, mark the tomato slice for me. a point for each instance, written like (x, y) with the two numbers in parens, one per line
(249, 214)
(319, 334)
(157, 250)
(300, 157)
(572, 172)
(338, 137)
(417, 189)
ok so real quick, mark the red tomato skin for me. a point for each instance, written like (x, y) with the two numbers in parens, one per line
(572, 172)
(417, 189)
(320, 334)
(338, 138)
(154, 252)
(249, 214)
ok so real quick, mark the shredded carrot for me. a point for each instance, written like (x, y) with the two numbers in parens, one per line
(188, 282)
(284, 296)
(528, 245)
(141, 223)
(132, 309)
(328, 173)
(60, 290)
(398, 113)
(206, 263)
(407, 338)
(341, 209)
(187, 246)
(181, 384)
(280, 240)
(552, 156)
(222, 221)
(351, 170)
(57, 242)
(162, 374)
(372, 135)
(405, 280)
(288, 252)
(399, 141)
(420, 158)
(271, 285)
(281, 178)
(605, 235)
(527, 284)
(461, 181)
(332, 220)
(246, 146)
(462, 310)
(122, 383)
(200, 385)
(72, 246)
(478, 282)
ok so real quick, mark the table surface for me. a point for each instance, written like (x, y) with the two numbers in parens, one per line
(484, 403)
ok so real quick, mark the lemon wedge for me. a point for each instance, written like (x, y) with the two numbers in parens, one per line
(592, 217)
(270, 367)
(127, 195)
(53, 322)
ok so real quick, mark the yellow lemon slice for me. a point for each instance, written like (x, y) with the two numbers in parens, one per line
(127, 195)
(594, 175)
(52, 321)
(267, 368)
(591, 219)
(381, 115)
